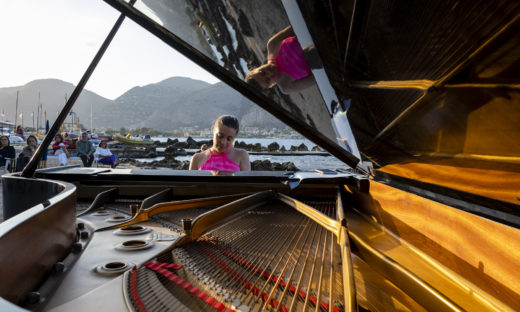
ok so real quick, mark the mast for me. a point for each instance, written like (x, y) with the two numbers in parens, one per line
(38, 115)
(16, 111)
(29, 169)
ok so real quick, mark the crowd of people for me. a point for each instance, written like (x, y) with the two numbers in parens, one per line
(85, 150)
(61, 148)
(7, 152)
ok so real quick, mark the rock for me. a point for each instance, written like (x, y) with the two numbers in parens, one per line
(207, 142)
(273, 147)
(239, 144)
(266, 165)
(257, 147)
(303, 148)
(261, 165)
(171, 150)
(180, 145)
(183, 165)
(289, 166)
(192, 143)
(171, 142)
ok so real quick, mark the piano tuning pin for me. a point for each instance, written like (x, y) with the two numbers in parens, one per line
(227, 298)
(235, 304)
(243, 308)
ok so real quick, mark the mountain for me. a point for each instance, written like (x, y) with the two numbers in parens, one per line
(167, 105)
(52, 98)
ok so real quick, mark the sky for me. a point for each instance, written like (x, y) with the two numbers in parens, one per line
(43, 39)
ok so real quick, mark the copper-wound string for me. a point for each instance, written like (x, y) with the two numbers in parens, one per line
(245, 245)
(280, 250)
(331, 273)
(282, 272)
(256, 263)
(297, 260)
(300, 279)
(322, 270)
(316, 255)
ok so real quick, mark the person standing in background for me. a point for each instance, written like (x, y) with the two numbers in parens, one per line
(19, 131)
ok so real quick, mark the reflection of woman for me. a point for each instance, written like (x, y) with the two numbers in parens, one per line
(27, 152)
(222, 156)
(6, 150)
(286, 65)
(104, 155)
(60, 150)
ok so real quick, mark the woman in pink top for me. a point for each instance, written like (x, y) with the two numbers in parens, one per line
(222, 156)
(286, 65)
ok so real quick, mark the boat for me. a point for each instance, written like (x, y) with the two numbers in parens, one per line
(133, 140)
(419, 98)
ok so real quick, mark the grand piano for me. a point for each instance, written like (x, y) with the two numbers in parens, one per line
(419, 98)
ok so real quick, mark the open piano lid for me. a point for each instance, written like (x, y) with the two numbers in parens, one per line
(431, 90)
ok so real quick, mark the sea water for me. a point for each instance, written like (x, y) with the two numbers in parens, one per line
(306, 163)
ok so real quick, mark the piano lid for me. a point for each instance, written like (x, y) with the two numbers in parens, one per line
(394, 82)
(229, 39)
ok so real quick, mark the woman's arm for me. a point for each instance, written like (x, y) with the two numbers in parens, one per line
(273, 45)
(194, 163)
(245, 164)
(288, 85)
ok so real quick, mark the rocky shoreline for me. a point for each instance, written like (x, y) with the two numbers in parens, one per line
(172, 148)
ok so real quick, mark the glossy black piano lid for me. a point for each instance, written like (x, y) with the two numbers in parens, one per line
(425, 77)
(233, 36)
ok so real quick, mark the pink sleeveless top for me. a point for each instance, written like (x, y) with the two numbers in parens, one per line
(220, 162)
(290, 59)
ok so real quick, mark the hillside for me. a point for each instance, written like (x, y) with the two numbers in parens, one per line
(166, 105)
(52, 97)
